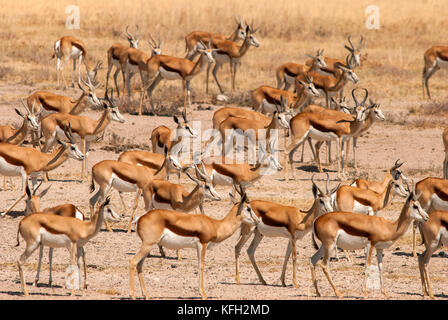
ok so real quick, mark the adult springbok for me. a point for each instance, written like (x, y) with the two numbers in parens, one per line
(287, 73)
(354, 231)
(49, 102)
(10, 134)
(28, 161)
(434, 58)
(276, 220)
(172, 68)
(52, 230)
(133, 60)
(434, 196)
(324, 127)
(67, 48)
(266, 98)
(230, 52)
(126, 177)
(192, 39)
(435, 235)
(114, 52)
(178, 230)
(329, 85)
(80, 127)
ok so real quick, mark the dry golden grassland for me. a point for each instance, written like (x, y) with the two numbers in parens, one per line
(391, 67)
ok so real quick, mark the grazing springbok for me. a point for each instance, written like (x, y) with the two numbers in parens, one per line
(435, 58)
(67, 48)
(178, 230)
(287, 73)
(192, 39)
(354, 231)
(48, 229)
(435, 235)
(276, 220)
(81, 128)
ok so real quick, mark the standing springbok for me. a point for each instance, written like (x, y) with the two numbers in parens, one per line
(114, 52)
(330, 85)
(178, 230)
(172, 68)
(435, 235)
(67, 48)
(192, 39)
(80, 127)
(354, 231)
(126, 177)
(434, 196)
(266, 98)
(287, 73)
(435, 58)
(230, 52)
(323, 127)
(28, 161)
(48, 229)
(276, 220)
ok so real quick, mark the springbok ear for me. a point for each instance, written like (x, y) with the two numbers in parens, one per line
(28, 191)
(19, 113)
(165, 150)
(176, 119)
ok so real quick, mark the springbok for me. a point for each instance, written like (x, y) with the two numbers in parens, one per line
(192, 39)
(434, 58)
(354, 231)
(48, 229)
(287, 73)
(80, 127)
(67, 48)
(28, 161)
(178, 230)
(276, 220)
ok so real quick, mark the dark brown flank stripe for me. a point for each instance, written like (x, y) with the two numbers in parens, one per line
(290, 73)
(441, 194)
(79, 46)
(11, 160)
(180, 231)
(47, 106)
(168, 68)
(123, 177)
(351, 230)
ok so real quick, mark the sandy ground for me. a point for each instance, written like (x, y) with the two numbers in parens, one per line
(108, 253)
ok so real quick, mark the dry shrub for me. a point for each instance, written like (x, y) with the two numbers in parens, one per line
(439, 108)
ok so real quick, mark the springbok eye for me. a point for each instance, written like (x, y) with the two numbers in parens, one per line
(415, 206)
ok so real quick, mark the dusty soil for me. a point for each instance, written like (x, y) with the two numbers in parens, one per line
(108, 253)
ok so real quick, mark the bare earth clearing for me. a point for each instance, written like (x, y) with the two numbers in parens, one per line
(108, 254)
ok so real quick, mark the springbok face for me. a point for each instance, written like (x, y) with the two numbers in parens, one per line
(30, 118)
(241, 28)
(133, 40)
(110, 215)
(377, 112)
(90, 92)
(281, 119)
(417, 212)
(33, 201)
(173, 162)
(250, 34)
(308, 87)
(115, 114)
(184, 126)
(361, 113)
(210, 192)
(399, 189)
(355, 52)
(351, 75)
(324, 199)
(396, 173)
(73, 150)
(156, 47)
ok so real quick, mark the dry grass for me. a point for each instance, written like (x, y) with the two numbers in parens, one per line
(287, 31)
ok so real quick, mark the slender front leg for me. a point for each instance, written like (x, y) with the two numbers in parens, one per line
(36, 280)
(246, 232)
(202, 247)
(379, 257)
(83, 147)
(368, 263)
(139, 191)
(251, 253)
(137, 261)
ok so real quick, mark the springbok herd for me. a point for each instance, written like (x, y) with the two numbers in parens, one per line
(342, 217)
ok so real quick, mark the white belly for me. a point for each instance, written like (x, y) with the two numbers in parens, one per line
(359, 207)
(221, 180)
(173, 241)
(54, 240)
(348, 242)
(443, 234)
(441, 63)
(122, 185)
(321, 136)
(268, 107)
(438, 204)
(76, 53)
(79, 215)
(8, 169)
(169, 75)
(270, 231)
